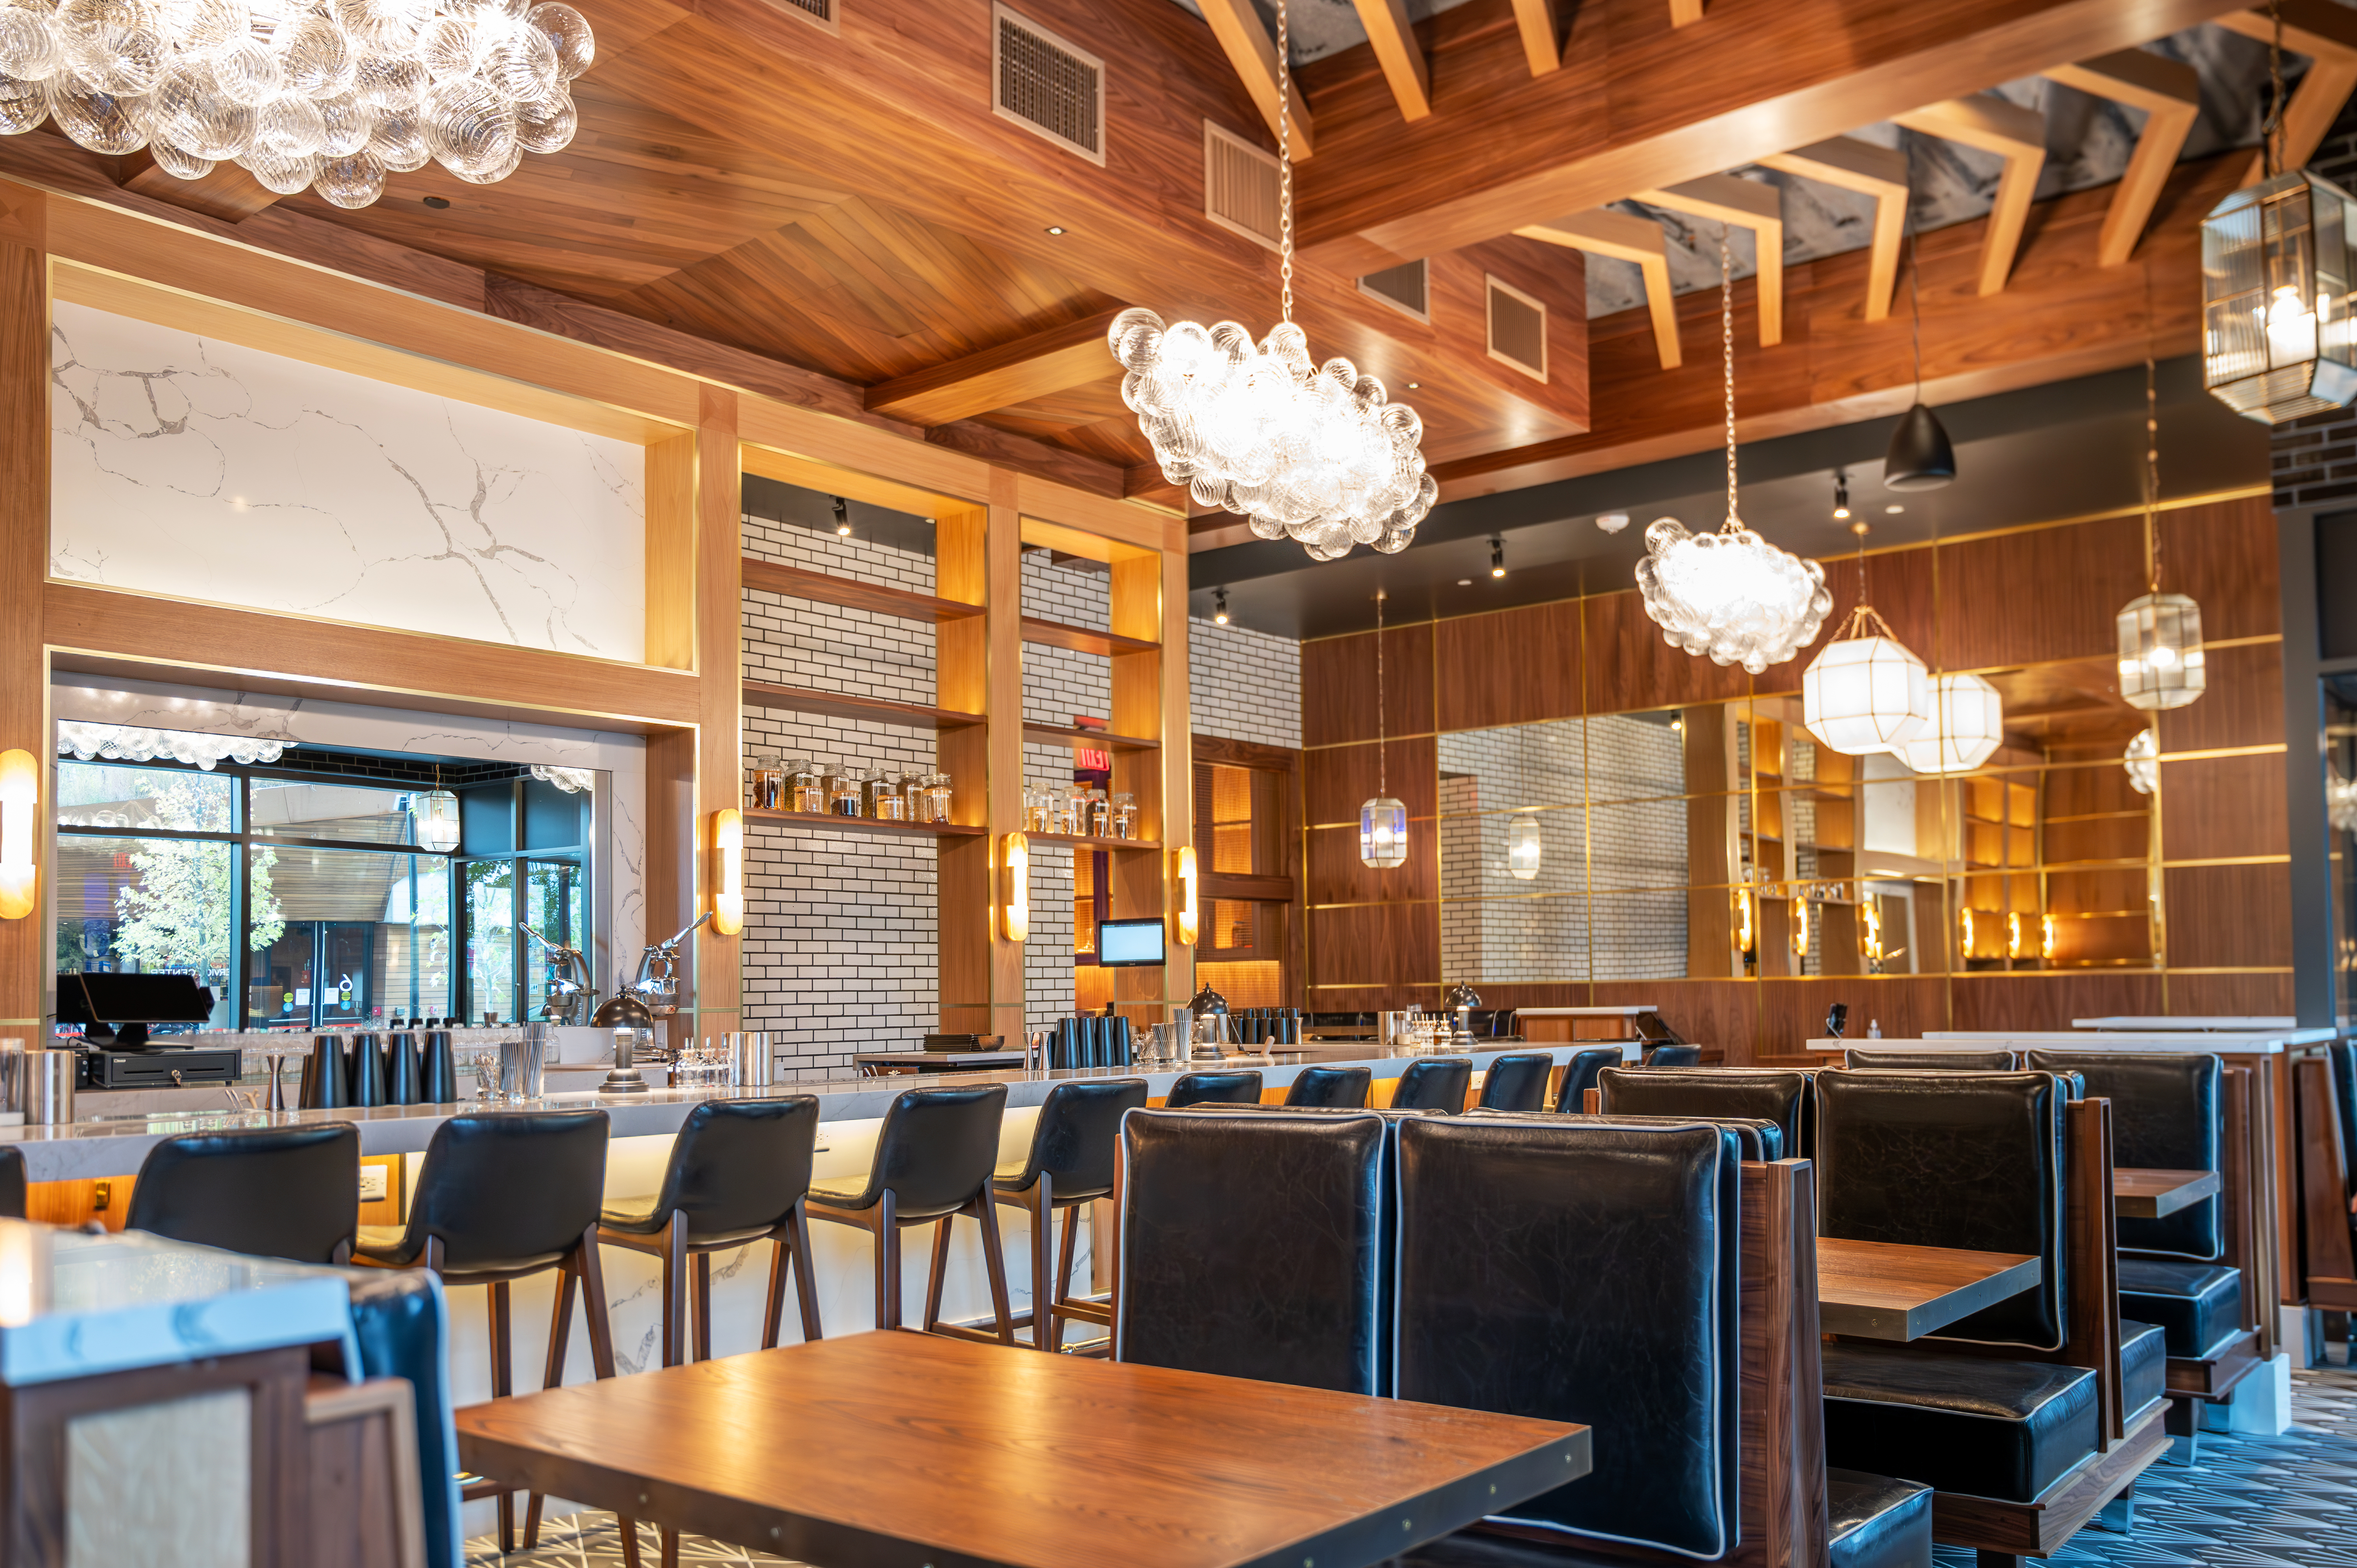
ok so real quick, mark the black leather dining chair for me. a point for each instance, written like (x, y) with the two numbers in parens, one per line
(1233, 1086)
(935, 1159)
(1766, 1093)
(739, 1172)
(1673, 1056)
(1073, 1160)
(1517, 1081)
(269, 1192)
(1434, 1083)
(1330, 1087)
(1579, 1076)
(12, 1182)
(1933, 1061)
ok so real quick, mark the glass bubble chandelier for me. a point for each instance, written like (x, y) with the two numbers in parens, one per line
(1382, 821)
(92, 742)
(1865, 691)
(2142, 760)
(1316, 454)
(1731, 594)
(332, 94)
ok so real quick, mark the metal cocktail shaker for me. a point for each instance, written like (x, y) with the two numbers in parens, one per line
(49, 1091)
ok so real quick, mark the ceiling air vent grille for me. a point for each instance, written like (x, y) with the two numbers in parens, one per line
(1517, 329)
(819, 11)
(1404, 287)
(1046, 85)
(1240, 186)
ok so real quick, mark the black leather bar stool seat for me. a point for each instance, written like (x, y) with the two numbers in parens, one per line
(1877, 1522)
(1232, 1087)
(1933, 1061)
(739, 1172)
(1074, 1157)
(268, 1192)
(935, 1160)
(1517, 1081)
(1989, 1428)
(501, 1196)
(12, 1183)
(1579, 1076)
(1330, 1087)
(1434, 1083)
(2199, 1306)
(1766, 1094)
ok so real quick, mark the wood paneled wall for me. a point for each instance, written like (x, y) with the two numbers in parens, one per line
(2035, 599)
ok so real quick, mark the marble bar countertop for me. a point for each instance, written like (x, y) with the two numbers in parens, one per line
(112, 1144)
(1635, 1012)
(2083, 1040)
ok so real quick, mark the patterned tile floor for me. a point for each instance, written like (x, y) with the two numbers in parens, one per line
(2248, 1502)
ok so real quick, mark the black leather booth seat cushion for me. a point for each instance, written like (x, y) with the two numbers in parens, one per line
(1877, 1522)
(2144, 1365)
(2198, 1306)
(1985, 1428)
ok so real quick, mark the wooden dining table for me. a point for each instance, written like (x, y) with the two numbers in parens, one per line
(904, 1450)
(2143, 1193)
(1888, 1290)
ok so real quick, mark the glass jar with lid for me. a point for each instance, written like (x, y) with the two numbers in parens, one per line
(887, 800)
(1100, 815)
(844, 789)
(805, 786)
(764, 781)
(912, 797)
(1125, 815)
(937, 797)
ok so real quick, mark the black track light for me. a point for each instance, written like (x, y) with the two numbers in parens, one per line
(1219, 606)
(1497, 558)
(842, 517)
(1841, 495)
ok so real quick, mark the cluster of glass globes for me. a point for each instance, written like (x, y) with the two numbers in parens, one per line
(91, 741)
(1731, 595)
(1318, 454)
(333, 94)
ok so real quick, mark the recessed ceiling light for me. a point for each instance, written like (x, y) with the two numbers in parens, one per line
(1413, 385)
(438, 202)
(1892, 511)
(1464, 581)
(1055, 228)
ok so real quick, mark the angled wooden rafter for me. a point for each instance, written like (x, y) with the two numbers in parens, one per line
(1603, 232)
(2170, 93)
(2014, 134)
(1848, 164)
(2327, 34)
(1534, 21)
(1684, 12)
(1743, 204)
(1251, 50)
(1393, 39)
(1045, 362)
(226, 191)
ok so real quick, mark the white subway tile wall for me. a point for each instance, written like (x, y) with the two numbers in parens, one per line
(1243, 685)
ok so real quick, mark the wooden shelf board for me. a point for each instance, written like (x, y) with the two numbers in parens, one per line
(1082, 639)
(827, 822)
(796, 582)
(1080, 842)
(840, 706)
(1095, 738)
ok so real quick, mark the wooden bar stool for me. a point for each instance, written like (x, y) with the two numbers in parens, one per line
(934, 1158)
(268, 1192)
(501, 1196)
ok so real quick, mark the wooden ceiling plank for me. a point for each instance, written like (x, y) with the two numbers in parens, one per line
(1399, 53)
(1535, 23)
(1743, 204)
(1603, 232)
(2169, 92)
(2014, 134)
(226, 191)
(1049, 361)
(1253, 52)
(2327, 34)
(1848, 164)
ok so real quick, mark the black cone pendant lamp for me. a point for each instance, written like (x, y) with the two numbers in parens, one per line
(1920, 457)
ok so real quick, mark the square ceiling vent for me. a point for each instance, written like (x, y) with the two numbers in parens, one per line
(1407, 288)
(820, 12)
(1240, 186)
(1517, 329)
(1045, 84)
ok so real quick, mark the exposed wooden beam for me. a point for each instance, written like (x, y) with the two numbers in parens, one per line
(1534, 25)
(228, 193)
(1253, 52)
(1049, 361)
(1684, 12)
(1603, 232)
(1878, 172)
(1398, 52)
(2327, 34)
(1743, 204)
(2169, 92)
(2014, 134)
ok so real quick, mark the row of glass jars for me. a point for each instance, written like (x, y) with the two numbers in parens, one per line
(884, 794)
(1080, 812)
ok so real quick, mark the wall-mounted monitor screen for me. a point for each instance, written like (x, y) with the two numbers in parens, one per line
(1129, 943)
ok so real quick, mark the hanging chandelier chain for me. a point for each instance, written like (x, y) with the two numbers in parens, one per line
(2271, 129)
(1862, 618)
(1382, 781)
(1727, 350)
(1283, 163)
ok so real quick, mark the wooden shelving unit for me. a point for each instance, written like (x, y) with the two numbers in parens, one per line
(1079, 841)
(795, 582)
(1083, 639)
(838, 705)
(1095, 739)
(828, 821)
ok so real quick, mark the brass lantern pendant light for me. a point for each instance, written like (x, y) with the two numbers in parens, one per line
(1865, 691)
(1382, 821)
(2162, 665)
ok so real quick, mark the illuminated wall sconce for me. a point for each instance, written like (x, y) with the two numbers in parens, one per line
(1523, 846)
(1965, 934)
(2046, 938)
(1800, 926)
(1015, 887)
(1746, 935)
(2013, 934)
(1869, 933)
(20, 802)
(1182, 868)
(727, 871)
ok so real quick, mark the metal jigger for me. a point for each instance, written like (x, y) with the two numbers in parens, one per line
(623, 1078)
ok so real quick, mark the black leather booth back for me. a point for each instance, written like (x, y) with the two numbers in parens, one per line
(1234, 1087)
(2169, 1112)
(1754, 1140)
(1434, 1083)
(545, 1169)
(937, 1147)
(1077, 1140)
(1517, 1081)
(1253, 1245)
(2343, 1055)
(740, 1164)
(1342, 1088)
(1579, 1076)
(12, 1183)
(1584, 1271)
(268, 1192)
(1963, 1159)
(1761, 1093)
(1933, 1061)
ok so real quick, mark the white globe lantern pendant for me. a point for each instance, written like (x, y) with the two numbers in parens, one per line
(1866, 692)
(1968, 726)
(1523, 846)
(1382, 821)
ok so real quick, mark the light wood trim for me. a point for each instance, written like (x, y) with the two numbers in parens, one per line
(2169, 92)
(1848, 164)
(719, 678)
(1124, 521)
(831, 479)
(1178, 757)
(1069, 356)
(1251, 50)
(27, 958)
(1055, 536)
(1743, 204)
(1542, 50)
(2016, 134)
(1399, 54)
(1003, 548)
(1685, 13)
(226, 191)
(1603, 232)
(2327, 34)
(671, 553)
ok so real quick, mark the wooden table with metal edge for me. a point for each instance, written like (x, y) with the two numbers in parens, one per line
(2141, 1193)
(1884, 1290)
(899, 1450)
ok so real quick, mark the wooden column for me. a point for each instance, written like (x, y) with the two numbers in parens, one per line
(692, 773)
(1178, 760)
(1139, 676)
(978, 665)
(27, 958)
